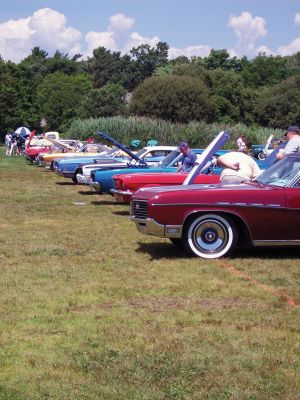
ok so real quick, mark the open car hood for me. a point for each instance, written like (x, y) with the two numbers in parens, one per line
(206, 156)
(122, 147)
(59, 144)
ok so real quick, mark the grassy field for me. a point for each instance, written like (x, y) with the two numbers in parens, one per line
(91, 309)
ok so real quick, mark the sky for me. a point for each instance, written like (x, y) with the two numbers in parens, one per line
(189, 27)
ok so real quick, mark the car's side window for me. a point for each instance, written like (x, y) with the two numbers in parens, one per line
(156, 153)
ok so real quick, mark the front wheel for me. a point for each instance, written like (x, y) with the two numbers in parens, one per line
(261, 156)
(210, 236)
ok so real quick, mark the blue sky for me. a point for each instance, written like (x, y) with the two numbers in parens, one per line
(190, 27)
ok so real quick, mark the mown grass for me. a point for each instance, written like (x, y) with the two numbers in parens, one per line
(91, 309)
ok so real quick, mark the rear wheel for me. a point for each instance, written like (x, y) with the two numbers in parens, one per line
(210, 236)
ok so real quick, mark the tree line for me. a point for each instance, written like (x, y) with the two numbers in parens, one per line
(262, 91)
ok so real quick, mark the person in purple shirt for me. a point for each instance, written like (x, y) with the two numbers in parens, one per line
(187, 159)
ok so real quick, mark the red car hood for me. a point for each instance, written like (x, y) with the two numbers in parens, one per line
(212, 194)
(164, 179)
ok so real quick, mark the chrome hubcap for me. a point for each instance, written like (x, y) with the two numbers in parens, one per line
(210, 236)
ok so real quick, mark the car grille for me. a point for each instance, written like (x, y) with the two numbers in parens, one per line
(139, 209)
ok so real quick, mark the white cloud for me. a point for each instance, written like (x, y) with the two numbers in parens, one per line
(118, 36)
(135, 40)
(248, 30)
(264, 50)
(294, 46)
(99, 39)
(297, 19)
(290, 48)
(119, 23)
(46, 28)
(51, 32)
(197, 51)
(15, 39)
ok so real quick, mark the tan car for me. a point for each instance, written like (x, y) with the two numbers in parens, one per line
(91, 149)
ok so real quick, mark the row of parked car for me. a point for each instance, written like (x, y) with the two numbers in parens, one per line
(197, 213)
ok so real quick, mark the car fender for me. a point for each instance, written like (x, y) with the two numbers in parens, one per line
(242, 225)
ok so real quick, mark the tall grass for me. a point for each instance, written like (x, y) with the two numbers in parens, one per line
(198, 134)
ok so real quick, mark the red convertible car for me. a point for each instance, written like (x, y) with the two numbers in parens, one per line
(209, 221)
(127, 184)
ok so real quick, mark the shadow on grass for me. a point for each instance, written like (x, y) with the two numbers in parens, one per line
(65, 183)
(87, 193)
(121, 213)
(105, 203)
(168, 251)
(161, 250)
(267, 252)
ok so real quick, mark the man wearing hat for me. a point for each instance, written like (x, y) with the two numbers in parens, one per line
(187, 159)
(293, 145)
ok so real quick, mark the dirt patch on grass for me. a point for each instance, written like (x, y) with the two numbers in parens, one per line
(165, 304)
(160, 304)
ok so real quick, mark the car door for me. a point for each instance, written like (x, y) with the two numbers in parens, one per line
(292, 223)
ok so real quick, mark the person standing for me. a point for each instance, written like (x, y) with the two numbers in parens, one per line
(242, 143)
(19, 141)
(187, 159)
(237, 167)
(8, 138)
(13, 145)
(293, 145)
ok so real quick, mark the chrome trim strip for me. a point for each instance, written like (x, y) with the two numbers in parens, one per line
(255, 205)
(276, 243)
(122, 192)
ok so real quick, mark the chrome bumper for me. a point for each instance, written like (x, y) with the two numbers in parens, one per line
(149, 226)
(95, 186)
(82, 179)
(121, 192)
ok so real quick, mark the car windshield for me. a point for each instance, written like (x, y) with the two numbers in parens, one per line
(112, 150)
(170, 158)
(281, 173)
(141, 152)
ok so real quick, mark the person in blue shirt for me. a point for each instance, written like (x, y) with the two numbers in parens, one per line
(187, 159)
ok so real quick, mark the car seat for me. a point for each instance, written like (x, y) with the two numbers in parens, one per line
(135, 144)
(152, 142)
